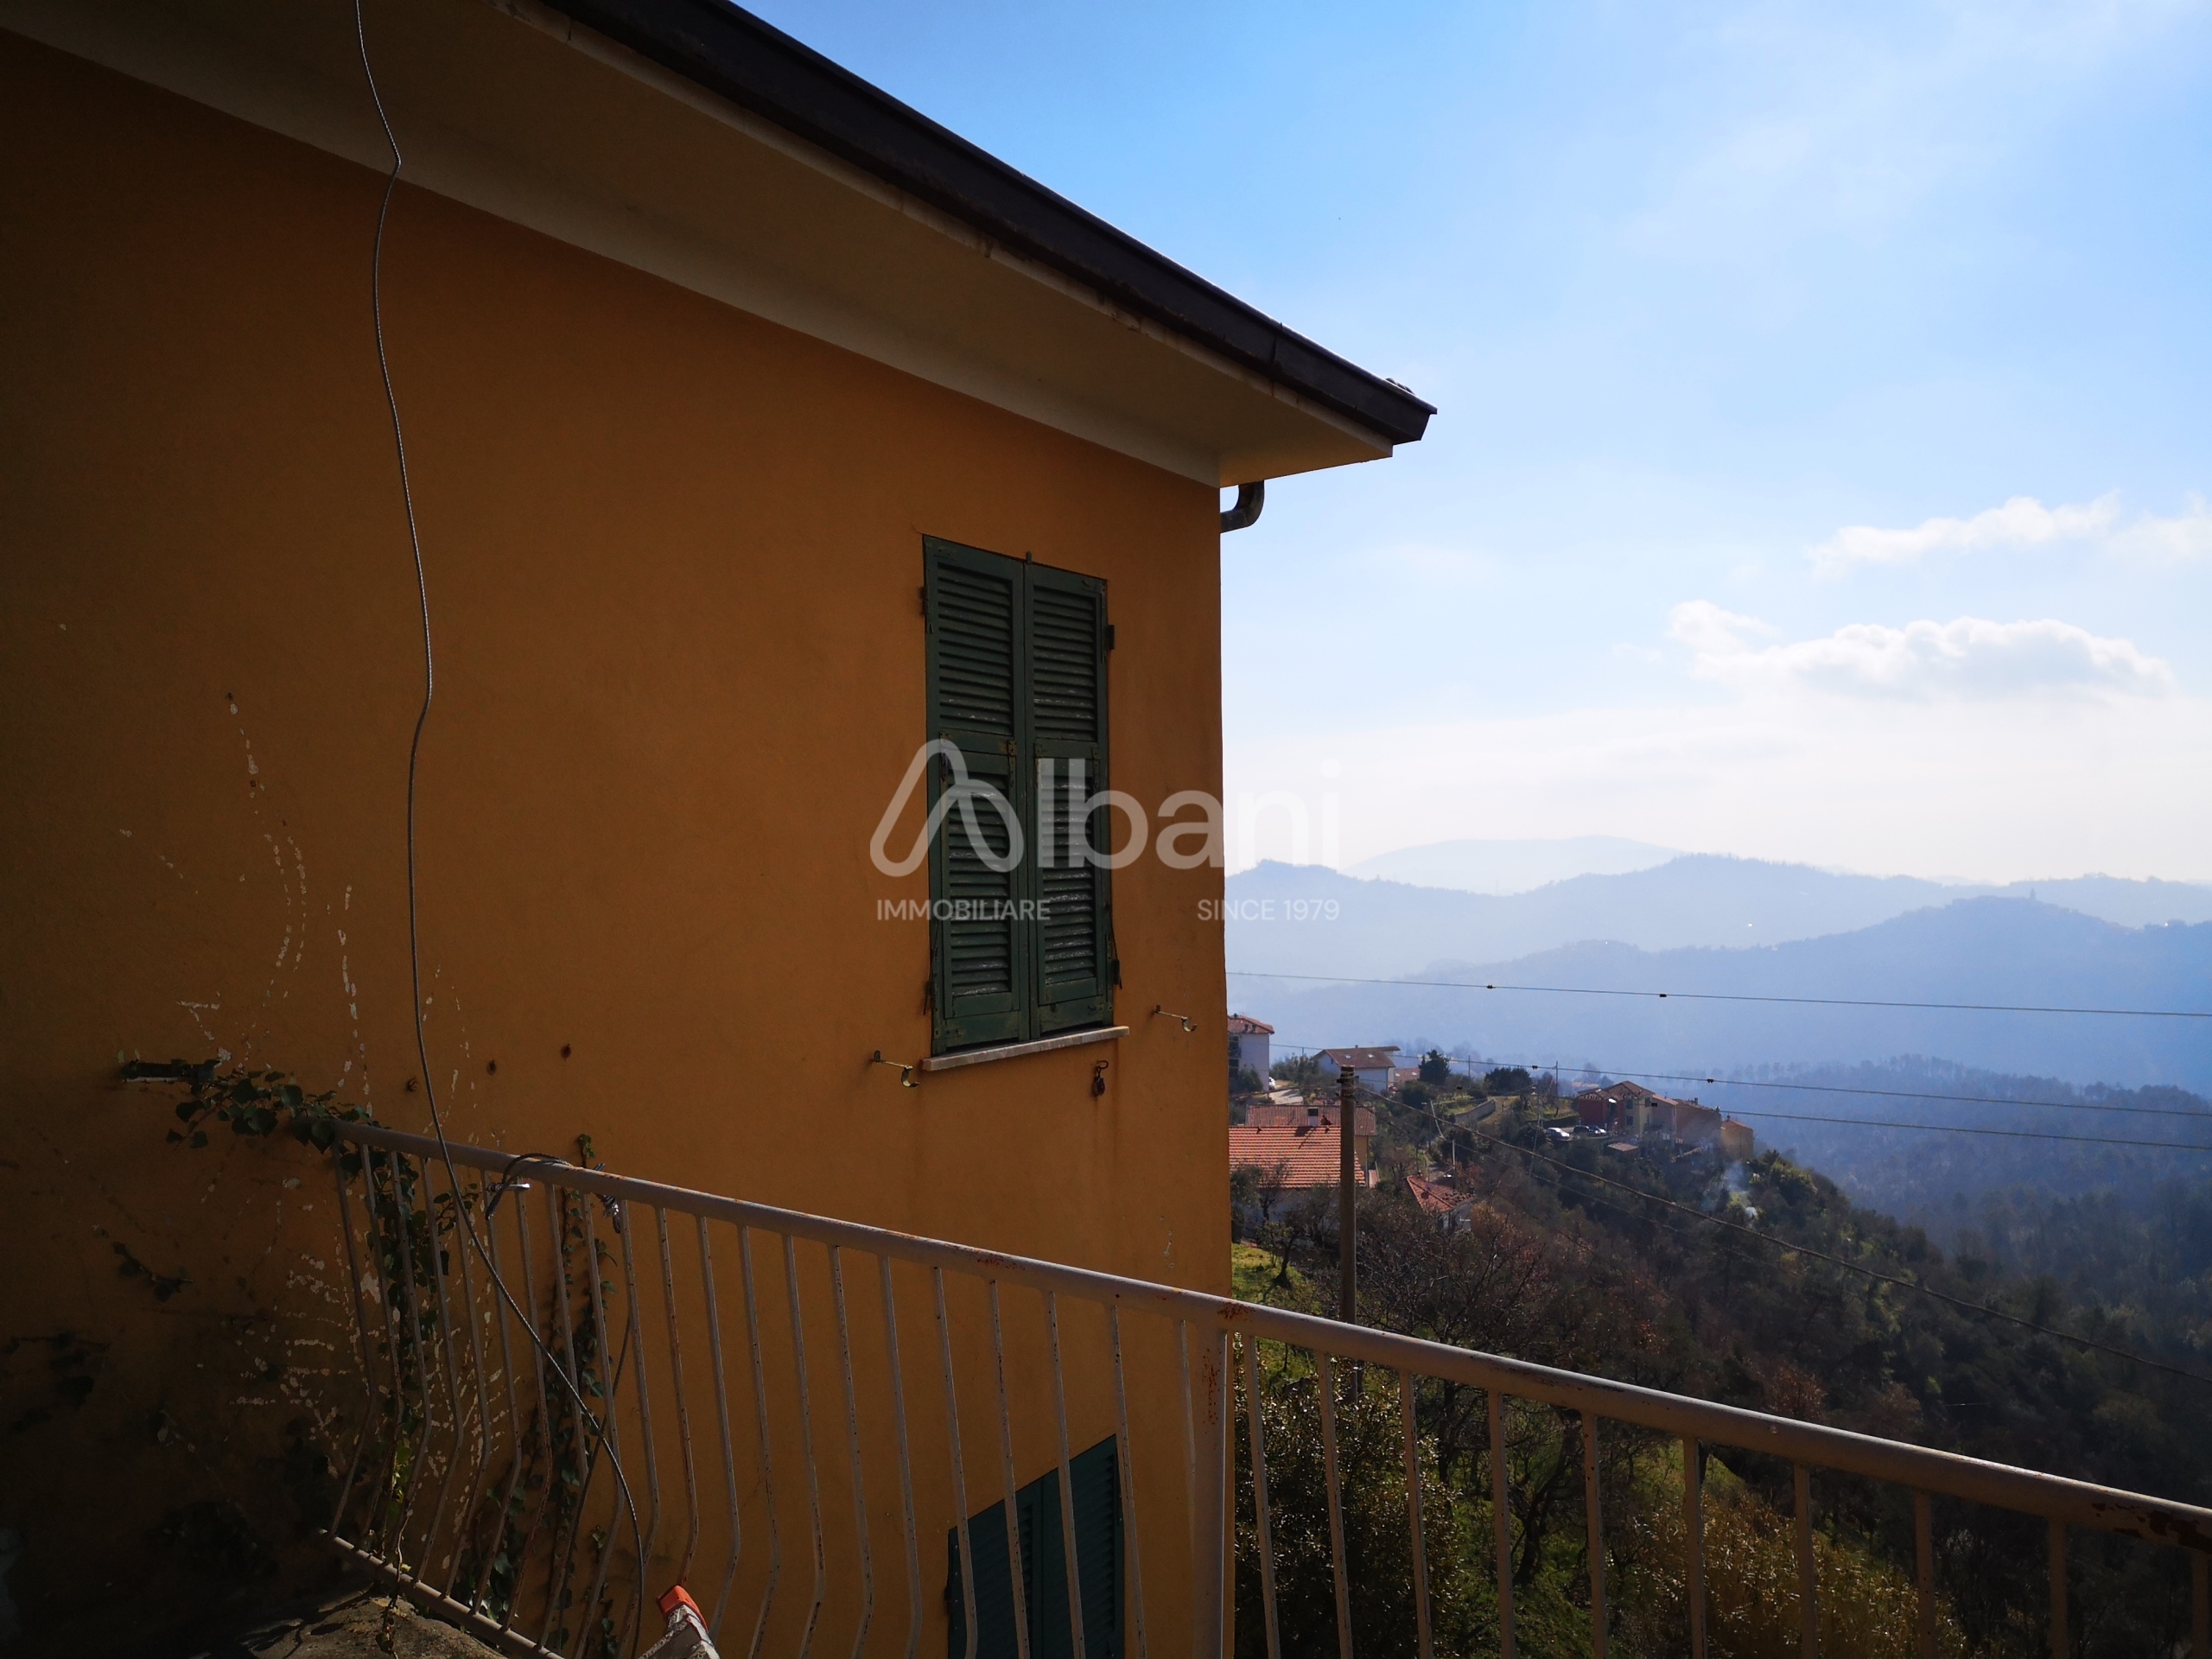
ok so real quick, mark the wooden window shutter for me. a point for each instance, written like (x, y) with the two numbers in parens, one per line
(1099, 1567)
(1067, 718)
(980, 947)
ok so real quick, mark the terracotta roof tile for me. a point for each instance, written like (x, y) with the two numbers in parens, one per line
(1281, 1117)
(1310, 1156)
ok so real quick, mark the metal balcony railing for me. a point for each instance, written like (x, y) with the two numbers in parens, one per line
(570, 1398)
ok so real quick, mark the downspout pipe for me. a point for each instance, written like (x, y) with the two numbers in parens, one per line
(1250, 498)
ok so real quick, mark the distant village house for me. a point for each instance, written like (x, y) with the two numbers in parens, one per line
(1632, 1109)
(1302, 1142)
(1453, 1210)
(1247, 1045)
(1371, 1066)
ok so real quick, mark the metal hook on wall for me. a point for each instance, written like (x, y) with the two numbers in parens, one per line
(1189, 1024)
(906, 1072)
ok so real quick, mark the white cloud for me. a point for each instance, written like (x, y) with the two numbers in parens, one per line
(1968, 658)
(2024, 522)
(2187, 535)
(2021, 522)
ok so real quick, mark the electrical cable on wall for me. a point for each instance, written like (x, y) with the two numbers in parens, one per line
(413, 924)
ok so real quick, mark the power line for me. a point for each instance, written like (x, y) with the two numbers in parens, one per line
(1903, 1094)
(1961, 1129)
(1732, 996)
(1885, 1094)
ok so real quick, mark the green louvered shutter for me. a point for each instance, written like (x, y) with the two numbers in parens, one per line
(1099, 1567)
(982, 949)
(1071, 964)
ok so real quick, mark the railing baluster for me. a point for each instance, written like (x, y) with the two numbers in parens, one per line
(1924, 1550)
(959, 1465)
(539, 1355)
(610, 1439)
(806, 1441)
(436, 1268)
(419, 1460)
(353, 1276)
(683, 1405)
(760, 1418)
(2060, 1646)
(463, 1248)
(1809, 1605)
(905, 1462)
(1006, 1463)
(1128, 1478)
(1067, 1475)
(1332, 1480)
(1501, 1521)
(721, 1417)
(1694, 1545)
(556, 1588)
(1594, 1522)
(514, 1426)
(635, 1343)
(853, 1439)
(1211, 1514)
(1257, 1440)
(1190, 1434)
(2200, 1606)
(1418, 1526)
(388, 1511)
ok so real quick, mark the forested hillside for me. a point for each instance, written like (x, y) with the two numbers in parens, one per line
(1987, 1132)
(1559, 1268)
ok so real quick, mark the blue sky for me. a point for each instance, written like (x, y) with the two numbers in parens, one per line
(1746, 324)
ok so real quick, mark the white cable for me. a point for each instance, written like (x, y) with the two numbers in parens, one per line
(414, 926)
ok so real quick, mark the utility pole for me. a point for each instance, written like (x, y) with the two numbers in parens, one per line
(1347, 1192)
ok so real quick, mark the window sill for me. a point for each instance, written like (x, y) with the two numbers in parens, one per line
(1015, 1051)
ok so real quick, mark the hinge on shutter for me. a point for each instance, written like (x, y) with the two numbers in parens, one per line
(1109, 636)
(929, 996)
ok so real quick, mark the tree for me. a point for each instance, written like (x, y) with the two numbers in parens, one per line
(1435, 1069)
(1507, 1080)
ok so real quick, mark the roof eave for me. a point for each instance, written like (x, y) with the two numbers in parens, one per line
(739, 57)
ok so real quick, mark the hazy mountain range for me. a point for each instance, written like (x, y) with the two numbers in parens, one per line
(1511, 866)
(1738, 928)
(1308, 919)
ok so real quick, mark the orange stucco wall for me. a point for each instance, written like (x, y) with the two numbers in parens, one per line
(674, 555)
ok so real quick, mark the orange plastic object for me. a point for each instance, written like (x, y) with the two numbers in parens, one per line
(678, 1596)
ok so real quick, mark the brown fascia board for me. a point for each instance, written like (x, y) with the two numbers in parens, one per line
(735, 55)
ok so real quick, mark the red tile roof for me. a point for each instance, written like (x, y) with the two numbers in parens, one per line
(1309, 1156)
(1433, 1195)
(1242, 1025)
(1278, 1118)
